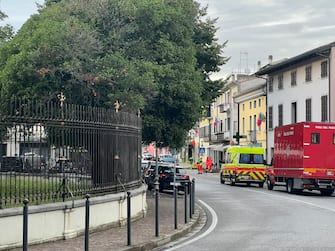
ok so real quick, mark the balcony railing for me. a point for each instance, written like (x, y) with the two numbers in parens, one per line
(224, 107)
(223, 136)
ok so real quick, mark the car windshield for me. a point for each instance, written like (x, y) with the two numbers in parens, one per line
(181, 171)
(165, 170)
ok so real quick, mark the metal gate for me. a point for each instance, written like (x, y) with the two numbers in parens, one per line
(57, 151)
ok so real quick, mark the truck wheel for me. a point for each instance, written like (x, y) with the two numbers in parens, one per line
(269, 184)
(261, 184)
(289, 186)
(222, 179)
(326, 192)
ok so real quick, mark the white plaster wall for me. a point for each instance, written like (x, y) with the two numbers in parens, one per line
(332, 84)
(47, 224)
(299, 93)
(67, 220)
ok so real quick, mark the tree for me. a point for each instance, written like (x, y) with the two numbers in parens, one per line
(7, 31)
(151, 55)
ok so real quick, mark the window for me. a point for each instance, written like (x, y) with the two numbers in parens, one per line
(250, 123)
(258, 158)
(243, 107)
(243, 126)
(270, 84)
(244, 158)
(255, 122)
(255, 103)
(229, 158)
(294, 112)
(324, 108)
(308, 71)
(250, 105)
(293, 78)
(280, 82)
(251, 158)
(280, 115)
(270, 117)
(315, 138)
(309, 109)
(333, 139)
(324, 69)
(259, 102)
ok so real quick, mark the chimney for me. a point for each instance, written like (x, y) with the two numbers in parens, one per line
(258, 65)
(270, 59)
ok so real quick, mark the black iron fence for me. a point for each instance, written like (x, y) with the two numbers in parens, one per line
(57, 151)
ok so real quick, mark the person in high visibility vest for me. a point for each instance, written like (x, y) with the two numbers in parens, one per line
(199, 166)
(209, 164)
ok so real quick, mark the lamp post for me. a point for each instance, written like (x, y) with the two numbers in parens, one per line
(156, 193)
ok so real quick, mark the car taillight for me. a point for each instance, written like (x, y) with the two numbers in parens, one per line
(185, 177)
(162, 175)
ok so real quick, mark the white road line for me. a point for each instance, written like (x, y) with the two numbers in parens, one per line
(296, 200)
(208, 231)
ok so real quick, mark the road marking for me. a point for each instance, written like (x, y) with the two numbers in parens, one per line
(207, 232)
(296, 200)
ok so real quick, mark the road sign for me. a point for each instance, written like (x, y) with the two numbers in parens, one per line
(201, 149)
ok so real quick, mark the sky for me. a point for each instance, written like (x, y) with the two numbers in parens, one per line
(254, 29)
(18, 11)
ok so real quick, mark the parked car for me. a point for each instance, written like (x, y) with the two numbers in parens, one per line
(167, 158)
(147, 156)
(33, 162)
(166, 173)
(11, 163)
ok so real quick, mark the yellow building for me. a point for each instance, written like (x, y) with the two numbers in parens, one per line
(241, 108)
(251, 101)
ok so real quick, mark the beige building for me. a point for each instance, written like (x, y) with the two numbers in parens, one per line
(216, 130)
(251, 100)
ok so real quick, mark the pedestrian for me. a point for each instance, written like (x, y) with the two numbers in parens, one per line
(209, 164)
(199, 166)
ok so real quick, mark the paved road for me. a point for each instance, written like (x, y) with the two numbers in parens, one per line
(252, 218)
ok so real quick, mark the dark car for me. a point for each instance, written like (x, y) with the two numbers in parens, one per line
(11, 163)
(166, 177)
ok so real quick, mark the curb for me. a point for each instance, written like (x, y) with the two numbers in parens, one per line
(178, 233)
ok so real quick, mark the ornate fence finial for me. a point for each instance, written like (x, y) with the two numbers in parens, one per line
(61, 98)
(117, 105)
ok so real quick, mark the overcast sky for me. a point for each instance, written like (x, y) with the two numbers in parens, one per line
(254, 29)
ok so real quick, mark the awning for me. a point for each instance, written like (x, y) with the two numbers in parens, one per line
(218, 147)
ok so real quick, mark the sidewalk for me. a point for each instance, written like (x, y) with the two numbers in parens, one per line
(142, 230)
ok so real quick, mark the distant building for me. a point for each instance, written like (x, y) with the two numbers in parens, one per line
(251, 100)
(219, 125)
(301, 88)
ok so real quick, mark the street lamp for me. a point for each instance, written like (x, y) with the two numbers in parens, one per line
(156, 193)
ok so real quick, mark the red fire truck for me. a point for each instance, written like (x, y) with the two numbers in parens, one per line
(304, 158)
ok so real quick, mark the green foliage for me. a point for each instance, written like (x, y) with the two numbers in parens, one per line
(6, 32)
(151, 55)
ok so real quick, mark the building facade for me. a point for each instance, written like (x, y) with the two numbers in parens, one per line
(301, 88)
(251, 100)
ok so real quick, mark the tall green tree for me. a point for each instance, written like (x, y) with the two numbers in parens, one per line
(151, 55)
(7, 31)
